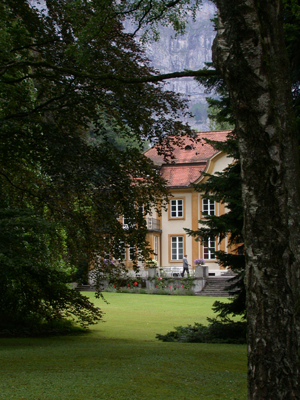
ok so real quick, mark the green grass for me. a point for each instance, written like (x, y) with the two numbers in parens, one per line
(121, 359)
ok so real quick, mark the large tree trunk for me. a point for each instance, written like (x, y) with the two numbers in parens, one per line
(249, 51)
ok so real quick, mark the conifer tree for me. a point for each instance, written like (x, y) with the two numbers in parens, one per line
(225, 187)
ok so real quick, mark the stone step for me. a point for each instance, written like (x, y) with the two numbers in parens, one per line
(85, 288)
(215, 287)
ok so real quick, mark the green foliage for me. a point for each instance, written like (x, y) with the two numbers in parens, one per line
(61, 78)
(128, 283)
(225, 187)
(74, 122)
(219, 109)
(151, 15)
(216, 332)
(173, 284)
(109, 132)
(161, 285)
(215, 124)
(36, 297)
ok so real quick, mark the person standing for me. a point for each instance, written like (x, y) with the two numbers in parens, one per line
(185, 266)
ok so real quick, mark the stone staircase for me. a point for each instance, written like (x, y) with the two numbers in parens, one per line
(215, 287)
(85, 288)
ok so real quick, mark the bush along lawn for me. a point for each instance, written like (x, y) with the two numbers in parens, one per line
(218, 331)
(156, 285)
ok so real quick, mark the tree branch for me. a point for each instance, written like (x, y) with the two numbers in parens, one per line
(172, 75)
(130, 80)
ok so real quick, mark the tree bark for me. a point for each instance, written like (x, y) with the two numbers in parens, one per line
(249, 51)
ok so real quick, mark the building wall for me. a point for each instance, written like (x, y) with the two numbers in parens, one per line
(192, 214)
(175, 227)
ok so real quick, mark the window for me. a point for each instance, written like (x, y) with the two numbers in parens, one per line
(131, 252)
(142, 210)
(177, 247)
(176, 208)
(209, 249)
(120, 253)
(208, 207)
(156, 248)
(126, 223)
(107, 253)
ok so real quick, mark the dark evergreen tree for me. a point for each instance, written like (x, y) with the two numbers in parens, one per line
(225, 187)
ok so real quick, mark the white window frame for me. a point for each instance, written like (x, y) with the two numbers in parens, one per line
(122, 248)
(142, 209)
(178, 210)
(156, 248)
(209, 249)
(177, 247)
(124, 223)
(208, 207)
(131, 252)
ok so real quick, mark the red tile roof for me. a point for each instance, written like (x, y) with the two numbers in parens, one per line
(189, 161)
(181, 175)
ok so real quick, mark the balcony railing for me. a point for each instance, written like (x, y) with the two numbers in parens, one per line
(153, 224)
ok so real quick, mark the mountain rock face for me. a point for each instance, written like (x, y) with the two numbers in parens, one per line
(190, 51)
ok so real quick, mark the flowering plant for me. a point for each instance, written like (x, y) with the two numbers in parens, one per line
(108, 262)
(199, 261)
(151, 263)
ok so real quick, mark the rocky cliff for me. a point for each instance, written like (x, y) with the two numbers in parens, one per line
(189, 51)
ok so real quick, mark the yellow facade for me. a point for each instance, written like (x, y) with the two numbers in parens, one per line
(173, 227)
(166, 232)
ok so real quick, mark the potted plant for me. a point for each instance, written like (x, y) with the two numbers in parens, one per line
(151, 264)
(201, 271)
(199, 261)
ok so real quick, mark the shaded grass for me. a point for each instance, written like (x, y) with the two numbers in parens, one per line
(121, 359)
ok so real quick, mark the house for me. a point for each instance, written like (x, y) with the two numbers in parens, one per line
(186, 206)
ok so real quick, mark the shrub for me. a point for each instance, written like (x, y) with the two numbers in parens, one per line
(216, 332)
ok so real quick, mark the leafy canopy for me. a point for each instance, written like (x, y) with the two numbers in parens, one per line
(75, 113)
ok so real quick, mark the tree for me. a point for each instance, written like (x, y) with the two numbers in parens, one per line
(219, 187)
(35, 295)
(250, 53)
(63, 74)
(219, 110)
(225, 187)
(59, 61)
(261, 263)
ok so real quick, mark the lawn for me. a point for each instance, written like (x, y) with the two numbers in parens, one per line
(121, 359)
